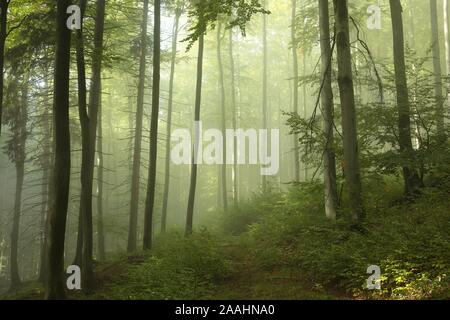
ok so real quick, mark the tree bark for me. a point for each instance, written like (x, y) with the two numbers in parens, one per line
(153, 158)
(135, 176)
(94, 103)
(3, 34)
(169, 120)
(20, 135)
(437, 67)
(223, 178)
(295, 86)
(410, 175)
(198, 98)
(328, 112)
(100, 225)
(58, 213)
(235, 115)
(347, 97)
(264, 86)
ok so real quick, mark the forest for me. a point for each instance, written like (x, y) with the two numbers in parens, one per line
(224, 150)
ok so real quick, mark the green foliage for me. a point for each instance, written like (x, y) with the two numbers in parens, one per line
(178, 268)
(204, 15)
(409, 241)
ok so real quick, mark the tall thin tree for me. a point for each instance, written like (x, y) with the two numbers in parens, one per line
(151, 187)
(135, 175)
(348, 107)
(436, 51)
(195, 153)
(234, 119)
(295, 78)
(58, 211)
(4, 4)
(410, 176)
(178, 11)
(328, 111)
(223, 177)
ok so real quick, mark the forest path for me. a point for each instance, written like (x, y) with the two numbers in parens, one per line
(251, 282)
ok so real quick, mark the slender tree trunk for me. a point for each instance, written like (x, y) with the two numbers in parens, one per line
(223, 179)
(20, 135)
(305, 108)
(135, 176)
(347, 97)
(235, 115)
(3, 34)
(295, 86)
(437, 67)
(328, 112)
(100, 224)
(46, 189)
(169, 120)
(151, 187)
(446, 10)
(404, 114)
(44, 210)
(264, 87)
(58, 212)
(94, 103)
(85, 136)
(446, 23)
(198, 98)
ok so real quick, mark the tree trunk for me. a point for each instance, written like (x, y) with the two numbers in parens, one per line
(328, 112)
(446, 9)
(305, 108)
(295, 86)
(46, 189)
(3, 34)
(94, 103)
(151, 187)
(264, 87)
(169, 120)
(235, 115)
(100, 224)
(404, 115)
(20, 135)
(437, 67)
(347, 97)
(58, 213)
(135, 180)
(223, 179)
(198, 98)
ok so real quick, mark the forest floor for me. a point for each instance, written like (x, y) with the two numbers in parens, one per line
(247, 282)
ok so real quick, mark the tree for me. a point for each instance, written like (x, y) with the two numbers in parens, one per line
(18, 156)
(264, 86)
(198, 97)
(58, 211)
(436, 51)
(4, 4)
(294, 44)
(235, 115)
(348, 109)
(410, 175)
(223, 177)
(135, 176)
(100, 174)
(328, 112)
(178, 11)
(151, 187)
